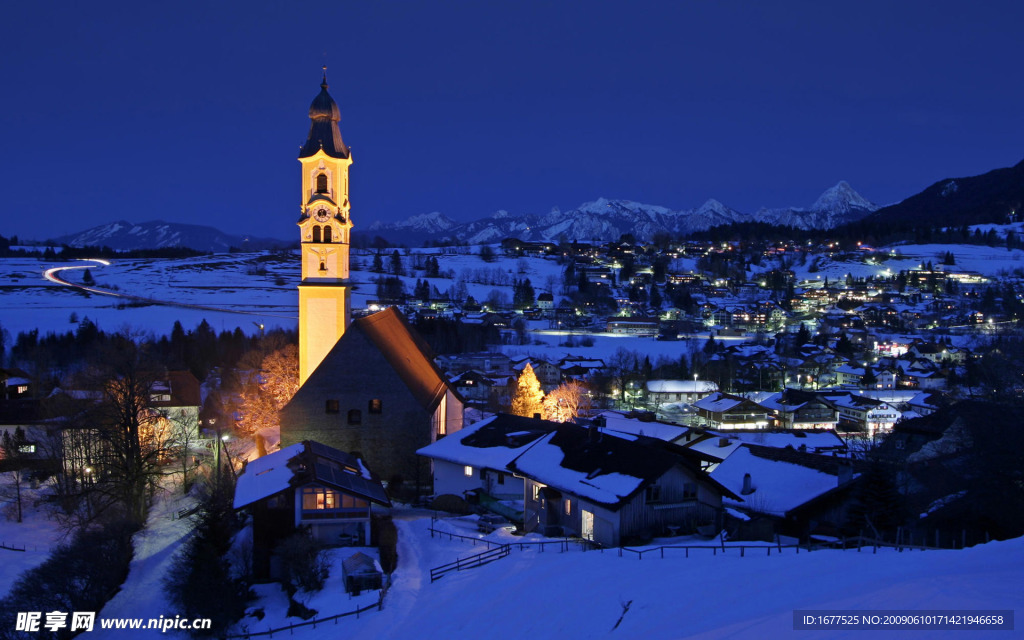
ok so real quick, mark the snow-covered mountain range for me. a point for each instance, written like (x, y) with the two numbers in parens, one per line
(606, 220)
(602, 219)
(157, 234)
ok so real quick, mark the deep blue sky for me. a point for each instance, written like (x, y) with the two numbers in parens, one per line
(195, 111)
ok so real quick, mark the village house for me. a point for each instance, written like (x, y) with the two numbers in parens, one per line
(798, 409)
(661, 392)
(726, 411)
(474, 462)
(786, 492)
(311, 486)
(611, 489)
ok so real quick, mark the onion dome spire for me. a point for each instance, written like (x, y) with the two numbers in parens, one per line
(323, 131)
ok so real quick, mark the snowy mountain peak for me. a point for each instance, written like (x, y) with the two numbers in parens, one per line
(842, 198)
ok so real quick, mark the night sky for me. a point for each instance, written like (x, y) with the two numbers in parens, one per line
(195, 111)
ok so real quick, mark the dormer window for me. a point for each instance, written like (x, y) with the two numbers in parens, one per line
(321, 183)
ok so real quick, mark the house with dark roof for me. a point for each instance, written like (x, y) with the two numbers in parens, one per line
(476, 459)
(609, 488)
(15, 384)
(726, 411)
(307, 485)
(787, 491)
(377, 393)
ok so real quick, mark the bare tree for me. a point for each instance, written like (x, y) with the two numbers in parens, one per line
(569, 400)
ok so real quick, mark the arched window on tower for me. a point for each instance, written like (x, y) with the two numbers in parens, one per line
(327, 234)
(321, 183)
(316, 233)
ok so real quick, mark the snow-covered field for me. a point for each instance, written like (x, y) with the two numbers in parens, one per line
(581, 595)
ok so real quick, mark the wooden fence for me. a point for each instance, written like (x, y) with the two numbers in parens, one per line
(4, 545)
(858, 543)
(470, 562)
(315, 621)
(562, 543)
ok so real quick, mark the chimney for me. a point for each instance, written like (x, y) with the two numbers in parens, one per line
(723, 442)
(747, 486)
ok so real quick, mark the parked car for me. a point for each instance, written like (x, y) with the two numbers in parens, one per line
(490, 522)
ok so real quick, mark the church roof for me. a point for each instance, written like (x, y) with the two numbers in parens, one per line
(407, 353)
(323, 131)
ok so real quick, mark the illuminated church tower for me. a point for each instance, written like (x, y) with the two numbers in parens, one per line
(325, 232)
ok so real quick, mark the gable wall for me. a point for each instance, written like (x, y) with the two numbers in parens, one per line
(353, 375)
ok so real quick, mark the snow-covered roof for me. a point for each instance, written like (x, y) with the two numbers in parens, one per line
(779, 486)
(303, 463)
(266, 476)
(718, 402)
(616, 421)
(544, 463)
(600, 465)
(491, 443)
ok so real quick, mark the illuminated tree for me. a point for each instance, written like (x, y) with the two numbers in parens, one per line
(569, 400)
(528, 399)
(268, 391)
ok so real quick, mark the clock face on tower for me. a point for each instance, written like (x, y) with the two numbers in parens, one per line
(321, 215)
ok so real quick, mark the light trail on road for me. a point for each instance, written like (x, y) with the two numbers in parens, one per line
(52, 275)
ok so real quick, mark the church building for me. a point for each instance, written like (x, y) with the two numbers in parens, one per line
(368, 387)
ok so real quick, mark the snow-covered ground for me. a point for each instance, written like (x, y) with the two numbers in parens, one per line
(37, 533)
(581, 595)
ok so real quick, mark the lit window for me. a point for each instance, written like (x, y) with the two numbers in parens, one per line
(467, 471)
(536, 492)
(27, 448)
(318, 498)
(376, 405)
(568, 507)
(355, 416)
(333, 406)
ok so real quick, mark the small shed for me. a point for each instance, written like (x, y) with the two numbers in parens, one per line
(360, 572)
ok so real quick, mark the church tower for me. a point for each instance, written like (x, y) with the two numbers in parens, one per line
(325, 231)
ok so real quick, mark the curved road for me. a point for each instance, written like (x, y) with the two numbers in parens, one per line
(51, 275)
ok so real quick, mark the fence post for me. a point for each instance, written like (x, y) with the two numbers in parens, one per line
(743, 550)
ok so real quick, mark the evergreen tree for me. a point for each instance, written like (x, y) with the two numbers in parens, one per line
(523, 296)
(879, 508)
(378, 263)
(528, 399)
(396, 268)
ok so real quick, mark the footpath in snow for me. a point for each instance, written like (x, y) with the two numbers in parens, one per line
(141, 595)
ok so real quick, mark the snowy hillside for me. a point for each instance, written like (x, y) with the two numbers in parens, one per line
(157, 234)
